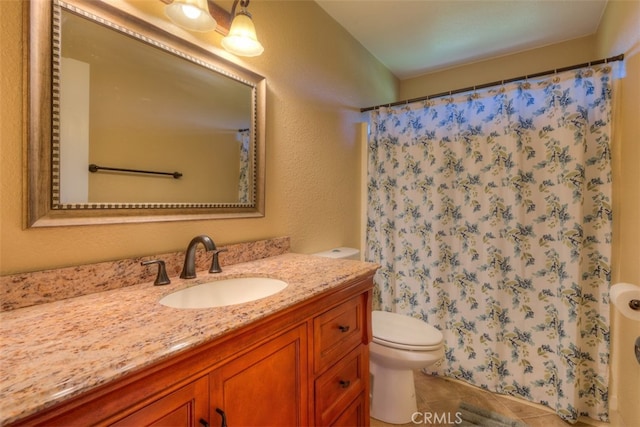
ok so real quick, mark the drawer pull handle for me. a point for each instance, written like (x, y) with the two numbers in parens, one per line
(224, 417)
(344, 328)
(345, 383)
(204, 422)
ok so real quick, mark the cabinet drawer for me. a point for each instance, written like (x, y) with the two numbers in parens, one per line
(336, 332)
(356, 414)
(339, 386)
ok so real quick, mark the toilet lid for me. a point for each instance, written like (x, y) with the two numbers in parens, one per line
(404, 332)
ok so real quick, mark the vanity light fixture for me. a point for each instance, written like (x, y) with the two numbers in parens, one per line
(191, 14)
(242, 39)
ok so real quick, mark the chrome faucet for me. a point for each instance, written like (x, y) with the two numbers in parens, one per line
(189, 268)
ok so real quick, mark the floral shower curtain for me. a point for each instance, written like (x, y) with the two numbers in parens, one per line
(490, 213)
(244, 185)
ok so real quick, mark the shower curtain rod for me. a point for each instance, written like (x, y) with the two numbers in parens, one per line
(497, 83)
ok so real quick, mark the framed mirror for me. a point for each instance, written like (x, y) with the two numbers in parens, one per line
(129, 123)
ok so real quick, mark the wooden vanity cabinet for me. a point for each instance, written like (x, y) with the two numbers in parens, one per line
(307, 365)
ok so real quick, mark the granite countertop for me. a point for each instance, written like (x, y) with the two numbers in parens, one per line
(51, 352)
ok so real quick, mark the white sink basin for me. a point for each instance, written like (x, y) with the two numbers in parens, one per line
(224, 292)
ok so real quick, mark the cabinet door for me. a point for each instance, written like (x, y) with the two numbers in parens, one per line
(266, 386)
(187, 406)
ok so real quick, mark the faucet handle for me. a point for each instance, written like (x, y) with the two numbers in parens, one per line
(215, 264)
(161, 278)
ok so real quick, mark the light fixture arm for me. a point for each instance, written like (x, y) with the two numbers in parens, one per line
(243, 4)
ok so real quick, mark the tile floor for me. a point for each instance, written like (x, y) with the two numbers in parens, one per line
(438, 395)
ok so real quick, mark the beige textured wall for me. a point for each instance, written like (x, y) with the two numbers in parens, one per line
(318, 78)
(210, 164)
(529, 62)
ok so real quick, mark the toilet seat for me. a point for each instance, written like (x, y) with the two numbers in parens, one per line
(404, 332)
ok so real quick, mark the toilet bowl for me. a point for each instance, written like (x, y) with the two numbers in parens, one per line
(400, 345)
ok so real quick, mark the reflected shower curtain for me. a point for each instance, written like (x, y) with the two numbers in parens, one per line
(490, 213)
(244, 184)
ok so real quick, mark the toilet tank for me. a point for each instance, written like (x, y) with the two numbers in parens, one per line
(344, 253)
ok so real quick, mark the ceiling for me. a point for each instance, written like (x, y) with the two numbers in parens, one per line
(415, 37)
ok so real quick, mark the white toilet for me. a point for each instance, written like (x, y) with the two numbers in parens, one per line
(400, 345)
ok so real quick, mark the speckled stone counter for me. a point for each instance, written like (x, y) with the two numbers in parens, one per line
(40, 287)
(57, 350)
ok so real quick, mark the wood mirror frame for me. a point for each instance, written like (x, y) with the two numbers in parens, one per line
(40, 157)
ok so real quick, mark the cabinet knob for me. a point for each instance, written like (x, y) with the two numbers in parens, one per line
(345, 383)
(344, 328)
(224, 417)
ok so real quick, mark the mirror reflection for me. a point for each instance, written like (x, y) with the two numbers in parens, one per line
(109, 89)
(157, 128)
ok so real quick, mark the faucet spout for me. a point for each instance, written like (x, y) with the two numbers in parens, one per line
(189, 267)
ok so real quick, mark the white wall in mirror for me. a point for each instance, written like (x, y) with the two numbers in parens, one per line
(74, 131)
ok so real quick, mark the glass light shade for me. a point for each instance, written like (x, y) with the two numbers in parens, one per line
(191, 14)
(242, 39)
